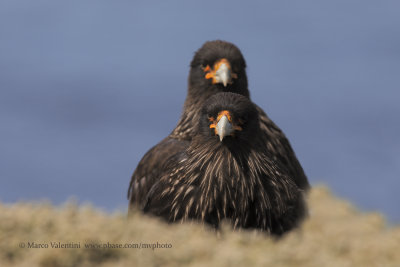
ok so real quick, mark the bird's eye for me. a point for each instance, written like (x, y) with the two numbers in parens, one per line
(205, 64)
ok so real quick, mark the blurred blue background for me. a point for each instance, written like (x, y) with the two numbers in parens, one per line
(87, 87)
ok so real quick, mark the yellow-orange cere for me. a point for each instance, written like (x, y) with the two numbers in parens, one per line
(211, 73)
(220, 115)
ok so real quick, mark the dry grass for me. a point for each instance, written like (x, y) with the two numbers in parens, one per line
(336, 234)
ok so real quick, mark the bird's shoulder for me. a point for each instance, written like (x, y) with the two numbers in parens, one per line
(280, 148)
(170, 191)
(152, 166)
(276, 139)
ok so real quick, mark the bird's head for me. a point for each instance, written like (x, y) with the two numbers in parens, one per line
(229, 116)
(218, 66)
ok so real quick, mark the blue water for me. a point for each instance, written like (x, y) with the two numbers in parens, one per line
(87, 87)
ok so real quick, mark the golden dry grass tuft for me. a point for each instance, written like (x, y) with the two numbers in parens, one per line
(335, 234)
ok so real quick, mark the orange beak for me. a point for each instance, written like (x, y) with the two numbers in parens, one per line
(221, 72)
(224, 126)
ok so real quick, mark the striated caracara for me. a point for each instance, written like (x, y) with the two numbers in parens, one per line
(225, 172)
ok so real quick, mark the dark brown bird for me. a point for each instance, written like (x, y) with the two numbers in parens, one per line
(225, 172)
(218, 66)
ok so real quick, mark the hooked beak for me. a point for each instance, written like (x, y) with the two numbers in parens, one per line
(223, 128)
(221, 73)
(223, 125)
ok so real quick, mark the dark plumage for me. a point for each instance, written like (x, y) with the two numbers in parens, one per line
(217, 66)
(230, 176)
